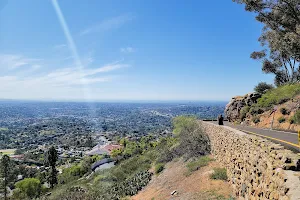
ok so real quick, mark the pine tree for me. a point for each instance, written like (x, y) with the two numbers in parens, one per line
(5, 163)
(50, 160)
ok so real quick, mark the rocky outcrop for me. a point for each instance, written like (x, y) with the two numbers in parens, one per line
(234, 107)
(257, 168)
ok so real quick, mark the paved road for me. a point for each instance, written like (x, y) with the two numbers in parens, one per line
(288, 139)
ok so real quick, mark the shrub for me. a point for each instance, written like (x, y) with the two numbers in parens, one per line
(159, 168)
(292, 120)
(132, 185)
(256, 110)
(243, 112)
(31, 187)
(284, 111)
(256, 119)
(131, 166)
(297, 117)
(184, 123)
(279, 95)
(201, 162)
(282, 101)
(193, 141)
(219, 174)
(263, 87)
(281, 119)
(166, 149)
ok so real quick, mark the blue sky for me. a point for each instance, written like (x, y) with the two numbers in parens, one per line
(127, 50)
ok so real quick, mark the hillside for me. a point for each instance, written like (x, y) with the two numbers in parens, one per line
(278, 107)
(197, 185)
(137, 163)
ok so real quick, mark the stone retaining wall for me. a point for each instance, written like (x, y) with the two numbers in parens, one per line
(255, 166)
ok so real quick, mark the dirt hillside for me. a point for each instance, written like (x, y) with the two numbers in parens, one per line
(197, 185)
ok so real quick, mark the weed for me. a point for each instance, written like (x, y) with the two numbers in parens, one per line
(219, 174)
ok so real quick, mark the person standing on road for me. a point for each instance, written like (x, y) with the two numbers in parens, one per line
(220, 120)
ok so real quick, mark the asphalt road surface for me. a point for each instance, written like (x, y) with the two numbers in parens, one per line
(288, 139)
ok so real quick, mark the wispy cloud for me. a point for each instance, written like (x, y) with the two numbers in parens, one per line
(127, 50)
(59, 83)
(108, 24)
(13, 61)
(68, 76)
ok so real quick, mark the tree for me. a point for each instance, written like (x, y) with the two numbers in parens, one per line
(263, 87)
(5, 169)
(30, 187)
(281, 36)
(50, 160)
(116, 152)
(19, 151)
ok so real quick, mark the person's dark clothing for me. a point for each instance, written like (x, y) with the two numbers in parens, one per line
(220, 120)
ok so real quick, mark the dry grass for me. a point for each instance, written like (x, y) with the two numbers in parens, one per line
(266, 117)
(196, 186)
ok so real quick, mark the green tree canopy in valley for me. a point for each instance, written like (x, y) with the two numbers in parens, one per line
(280, 37)
(28, 188)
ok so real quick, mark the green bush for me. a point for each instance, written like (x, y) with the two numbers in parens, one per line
(159, 168)
(278, 95)
(255, 110)
(131, 166)
(201, 162)
(194, 142)
(30, 187)
(297, 117)
(131, 185)
(243, 112)
(281, 119)
(284, 111)
(182, 123)
(219, 174)
(256, 119)
(292, 120)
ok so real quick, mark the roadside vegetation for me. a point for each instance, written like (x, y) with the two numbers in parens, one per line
(278, 95)
(296, 117)
(271, 97)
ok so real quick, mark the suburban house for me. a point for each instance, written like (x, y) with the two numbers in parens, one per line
(103, 149)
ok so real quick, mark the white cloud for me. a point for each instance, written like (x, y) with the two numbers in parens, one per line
(71, 76)
(108, 24)
(127, 50)
(13, 61)
(64, 83)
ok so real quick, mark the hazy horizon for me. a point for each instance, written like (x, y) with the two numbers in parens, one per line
(113, 101)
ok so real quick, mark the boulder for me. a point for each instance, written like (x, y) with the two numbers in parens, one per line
(233, 108)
